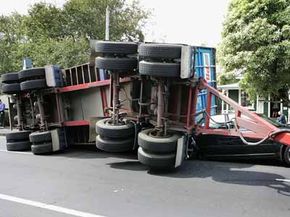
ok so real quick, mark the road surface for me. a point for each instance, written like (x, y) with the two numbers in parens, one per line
(93, 184)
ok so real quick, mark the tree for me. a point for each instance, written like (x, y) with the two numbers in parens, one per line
(10, 37)
(87, 17)
(256, 40)
(52, 35)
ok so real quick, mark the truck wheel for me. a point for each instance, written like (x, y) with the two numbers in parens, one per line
(11, 88)
(31, 73)
(110, 47)
(18, 146)
(286, 156)
(116, 64)
(33, 84)
(161, 51)
(44, 148)
(40, 137)
(17, 136)
(157, 144)
(156, 161)
(105, 128)
(114, 145)
(159, 69)
(10, 78)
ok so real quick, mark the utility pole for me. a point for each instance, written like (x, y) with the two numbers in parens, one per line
(107, 34)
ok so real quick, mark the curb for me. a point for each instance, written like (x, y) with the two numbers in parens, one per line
(4, 131)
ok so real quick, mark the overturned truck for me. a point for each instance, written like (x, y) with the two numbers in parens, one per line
(153, 98)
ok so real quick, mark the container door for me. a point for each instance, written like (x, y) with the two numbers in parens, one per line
(205, 67)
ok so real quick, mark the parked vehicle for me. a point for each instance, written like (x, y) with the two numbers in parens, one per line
(222, 147)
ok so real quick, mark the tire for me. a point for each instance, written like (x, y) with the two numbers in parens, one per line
(156, 161)
(31, 73)
(110, 47)
(157, 69)
(116, 64)
(10, 78)
(105, 129)
(40, 137)
(11, 88)
(33, 84)
(18, 146)
(157, 144)
(113, 145)
(17, 136)
(44, 148)
(286, 156)
(161, 51)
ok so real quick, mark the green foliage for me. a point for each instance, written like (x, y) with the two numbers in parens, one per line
(227, 78)
(256, 40)
(10, 36)
(52, 35)
(126, 21)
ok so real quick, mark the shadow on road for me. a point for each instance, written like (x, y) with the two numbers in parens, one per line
(90, 152)
(229, 173)
(128, 165)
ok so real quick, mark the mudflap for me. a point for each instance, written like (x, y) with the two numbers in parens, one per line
(58, 139)
(180, 151)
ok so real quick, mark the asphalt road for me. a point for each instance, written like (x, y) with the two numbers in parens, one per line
(93, 184)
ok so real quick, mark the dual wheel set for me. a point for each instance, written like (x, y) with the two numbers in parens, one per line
(116, 134)
(30, 81)
(159, 62)
(26, 80)
(37, 142)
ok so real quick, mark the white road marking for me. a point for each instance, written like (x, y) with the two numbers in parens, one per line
(47, 206)
(16, 152)
(283, 180)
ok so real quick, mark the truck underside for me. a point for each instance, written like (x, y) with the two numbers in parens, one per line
(131, 97)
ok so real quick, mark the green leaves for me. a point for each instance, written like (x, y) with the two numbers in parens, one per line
(52, 35)
(256, 42)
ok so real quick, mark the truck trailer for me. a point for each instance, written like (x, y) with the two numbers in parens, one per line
(154, 99)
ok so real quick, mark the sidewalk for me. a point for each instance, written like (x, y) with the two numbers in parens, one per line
(4, 131)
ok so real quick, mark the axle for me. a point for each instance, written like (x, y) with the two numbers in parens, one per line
(116, 106)
(43, 122)
(19, 113)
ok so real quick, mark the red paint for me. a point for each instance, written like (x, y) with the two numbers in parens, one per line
(104, 100)
(87, 85)
(208, 107)
(258, 128)
(76, 123)
(189, 106)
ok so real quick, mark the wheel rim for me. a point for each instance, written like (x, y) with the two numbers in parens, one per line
(287, 155)
(110, 123)
(155, 133)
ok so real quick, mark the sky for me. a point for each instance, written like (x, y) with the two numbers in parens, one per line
(194, 22)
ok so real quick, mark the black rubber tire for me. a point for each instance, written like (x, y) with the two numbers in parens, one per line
(18, 146)
(116, 64)
(10, 78)
(114, 145)
(17, 136)
(11, 88)
(105, 129)
(40, 137)
(44, 148)
(161, 51)
(157, 69)
(286, 156)
(31, 73)
(111, 47)
(33, 84)
(156, 161)
(157, 144)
